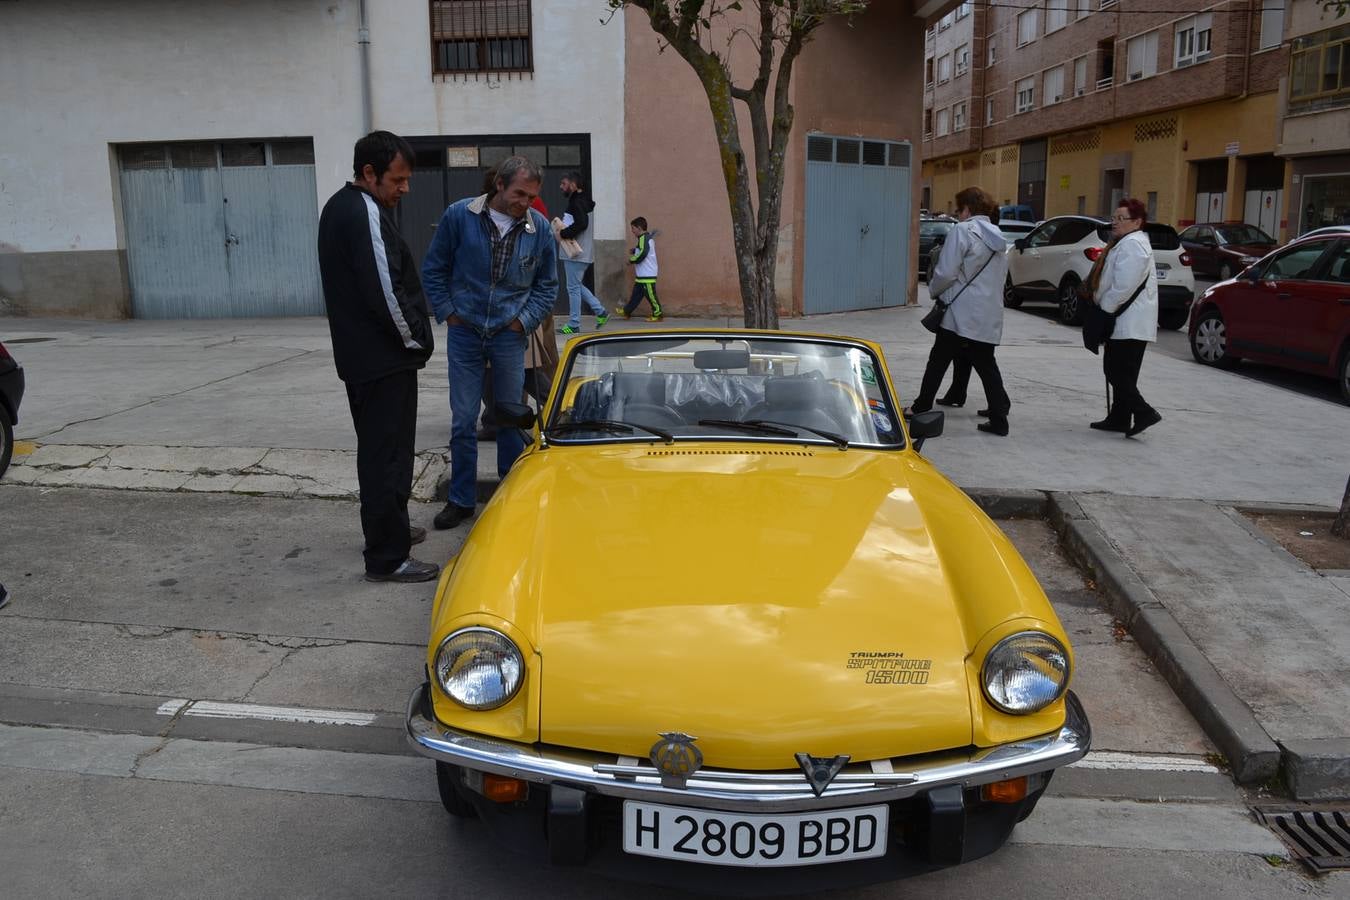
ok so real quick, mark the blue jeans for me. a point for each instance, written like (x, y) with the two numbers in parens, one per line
(468, 353)
(576, 292)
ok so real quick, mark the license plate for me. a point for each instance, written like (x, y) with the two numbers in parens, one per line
(747, 839)
(1162, 274)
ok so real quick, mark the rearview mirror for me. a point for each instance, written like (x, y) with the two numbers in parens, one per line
(1020, 244)
(721, 359)
(925, 425)
(514, 415)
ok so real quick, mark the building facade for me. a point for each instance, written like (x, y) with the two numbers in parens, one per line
(1315, 117)
(1070, 105)
(169, 159)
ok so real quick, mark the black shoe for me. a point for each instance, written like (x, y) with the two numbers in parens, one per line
(1109, 425)
(991, 427)
(1146, 420)
(982, 413)
(948, 401)
(416, 534)
(451, 516)
(409, 571)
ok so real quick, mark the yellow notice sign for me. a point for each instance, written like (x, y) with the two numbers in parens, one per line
(1064, 182)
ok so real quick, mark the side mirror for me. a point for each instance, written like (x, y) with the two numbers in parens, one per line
(1020, 244)
(514, 415)
(925, 425)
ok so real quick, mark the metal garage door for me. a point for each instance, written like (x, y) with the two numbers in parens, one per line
(857, 223)
(220, 230)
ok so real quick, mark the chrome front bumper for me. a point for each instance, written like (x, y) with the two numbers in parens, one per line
(857, 784)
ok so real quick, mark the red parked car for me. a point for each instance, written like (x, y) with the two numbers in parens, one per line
(1223, 250)
(1290, 309)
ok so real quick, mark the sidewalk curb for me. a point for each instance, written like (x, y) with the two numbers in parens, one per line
(1251, 752)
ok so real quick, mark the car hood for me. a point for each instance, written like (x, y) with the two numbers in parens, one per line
(767, 602)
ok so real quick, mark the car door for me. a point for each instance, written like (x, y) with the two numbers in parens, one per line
(1257, 308)
(1317, 314)
(1025, 267)
(1199, 241)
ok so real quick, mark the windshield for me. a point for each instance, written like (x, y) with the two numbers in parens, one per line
(1243, 234)
(674, 387)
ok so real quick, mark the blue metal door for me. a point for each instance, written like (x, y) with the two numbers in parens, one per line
(857, 224)
(221, 230)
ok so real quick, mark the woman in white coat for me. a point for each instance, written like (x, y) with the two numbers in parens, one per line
(1128, 263)
(969, 275)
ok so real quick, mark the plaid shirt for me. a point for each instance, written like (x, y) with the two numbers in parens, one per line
(503, 245)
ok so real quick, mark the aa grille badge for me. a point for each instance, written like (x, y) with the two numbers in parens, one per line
(820, 770)
(676, 758)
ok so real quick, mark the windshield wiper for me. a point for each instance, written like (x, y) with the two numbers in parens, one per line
(767, 426)
(609, 426)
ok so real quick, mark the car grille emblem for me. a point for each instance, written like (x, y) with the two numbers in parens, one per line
(820, 770)
(676, 758)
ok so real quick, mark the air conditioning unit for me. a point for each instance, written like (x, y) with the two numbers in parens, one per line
(1057, 99)
(1078, 92)
(1134, 76)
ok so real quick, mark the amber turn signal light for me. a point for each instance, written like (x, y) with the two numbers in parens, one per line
(1014, 790)
(500, 789)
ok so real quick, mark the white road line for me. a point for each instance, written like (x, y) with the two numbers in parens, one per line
(1142, 762)
(212, 709)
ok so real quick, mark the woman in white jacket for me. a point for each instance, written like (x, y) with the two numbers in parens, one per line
(1128, 263)
(969, 275)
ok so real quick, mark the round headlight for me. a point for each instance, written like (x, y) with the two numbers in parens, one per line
(479, 668)
(1025, 672)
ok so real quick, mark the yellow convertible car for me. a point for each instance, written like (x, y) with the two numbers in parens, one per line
(722, 627)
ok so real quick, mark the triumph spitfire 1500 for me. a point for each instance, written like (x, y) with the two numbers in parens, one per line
(722, 626)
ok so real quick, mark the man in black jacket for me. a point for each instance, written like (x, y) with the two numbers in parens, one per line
(378, 318)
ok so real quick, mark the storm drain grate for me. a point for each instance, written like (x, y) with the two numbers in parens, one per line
(1320, 838)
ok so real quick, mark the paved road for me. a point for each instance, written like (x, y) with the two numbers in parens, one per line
(147, 747)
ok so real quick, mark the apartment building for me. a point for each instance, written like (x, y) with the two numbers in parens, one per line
(1315, 121)
(1070, 105)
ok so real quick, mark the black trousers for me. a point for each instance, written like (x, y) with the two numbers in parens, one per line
(949, 346)
(384, 412)
(960, 379)
(1121, 362)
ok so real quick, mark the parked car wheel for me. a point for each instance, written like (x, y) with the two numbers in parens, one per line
(1173, 319)
(6, 440)
(1209, 343)
(1068, 300)
(1344, 374)
(1225, 272)
(447, 776)
(1010, 298)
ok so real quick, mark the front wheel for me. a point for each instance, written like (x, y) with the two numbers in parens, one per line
(448, 779)
(1010, 298)
(1209, 341)
(1225, 272)
(6, 440)
(1173, 319)
(1068, 301)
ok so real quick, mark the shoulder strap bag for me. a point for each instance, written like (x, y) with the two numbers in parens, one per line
(932, 319)
(1099, 325)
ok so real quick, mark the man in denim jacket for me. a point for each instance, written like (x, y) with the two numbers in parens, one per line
(491, 276)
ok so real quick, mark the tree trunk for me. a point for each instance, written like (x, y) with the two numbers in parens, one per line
(1341, 527)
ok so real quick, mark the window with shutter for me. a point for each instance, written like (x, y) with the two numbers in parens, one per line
(481, 36)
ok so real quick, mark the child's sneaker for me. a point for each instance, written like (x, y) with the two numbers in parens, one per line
(623, 313)
(600, 319)
(568, 329)
(656, 318)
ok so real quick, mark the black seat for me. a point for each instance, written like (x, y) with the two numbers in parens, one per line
(798, 400)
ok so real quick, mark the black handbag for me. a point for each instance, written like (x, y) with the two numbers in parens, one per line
(932, 320)
(1098, 324)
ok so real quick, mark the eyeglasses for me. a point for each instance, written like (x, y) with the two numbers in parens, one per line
(1122, 218)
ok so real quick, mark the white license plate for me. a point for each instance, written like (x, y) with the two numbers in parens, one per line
(747, 839)
(1162, 274)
